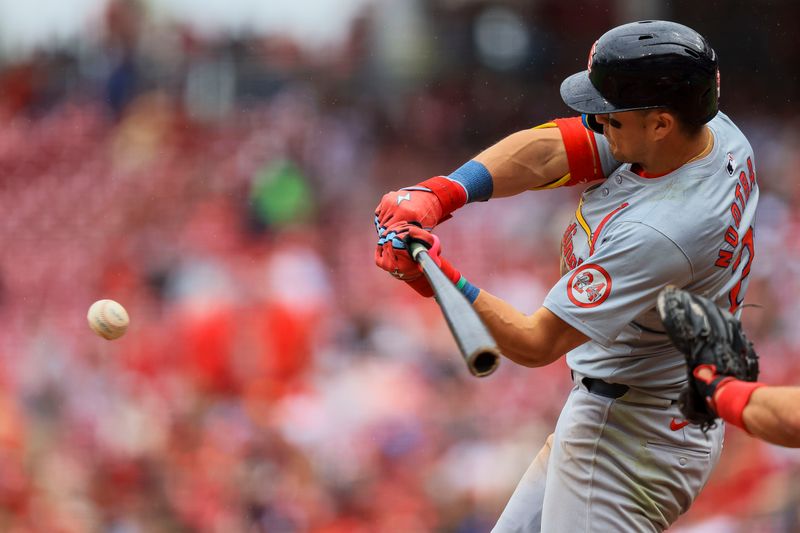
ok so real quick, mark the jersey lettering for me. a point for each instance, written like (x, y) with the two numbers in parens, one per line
(732, 236)
(568, 249)
(741, 196)
(745, 185)
(724, 259)
(752, 173)
(749, 246)
(736, 213)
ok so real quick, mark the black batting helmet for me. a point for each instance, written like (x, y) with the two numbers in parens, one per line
(644, 65)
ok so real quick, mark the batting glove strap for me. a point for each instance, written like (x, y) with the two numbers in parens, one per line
(451, 194)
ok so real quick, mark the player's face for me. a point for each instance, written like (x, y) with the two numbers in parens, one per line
(626, 135)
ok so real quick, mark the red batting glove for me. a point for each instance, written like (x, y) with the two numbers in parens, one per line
(426, 204)
(395, 251)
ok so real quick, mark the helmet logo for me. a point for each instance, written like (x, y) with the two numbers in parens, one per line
(591, 57)
(717, 83)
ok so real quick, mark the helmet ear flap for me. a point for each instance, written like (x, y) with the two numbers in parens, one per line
(590, 122)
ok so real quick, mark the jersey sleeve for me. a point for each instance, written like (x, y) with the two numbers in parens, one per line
(588, 154)
(619, 281)
(607, 162)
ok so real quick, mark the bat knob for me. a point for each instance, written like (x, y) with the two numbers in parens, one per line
(484, 363)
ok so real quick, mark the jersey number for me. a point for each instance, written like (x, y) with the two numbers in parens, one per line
(747, 244)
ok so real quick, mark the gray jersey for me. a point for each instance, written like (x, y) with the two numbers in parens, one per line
(631, 236)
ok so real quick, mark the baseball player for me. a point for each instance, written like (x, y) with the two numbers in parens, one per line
(673, 202)
(722, 371)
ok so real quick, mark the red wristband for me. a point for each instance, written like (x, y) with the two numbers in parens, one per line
(731, 398)
(451, 194)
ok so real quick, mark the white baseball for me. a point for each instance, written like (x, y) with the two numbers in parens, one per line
(108, 319)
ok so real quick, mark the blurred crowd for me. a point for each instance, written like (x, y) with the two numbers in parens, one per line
(272, 379)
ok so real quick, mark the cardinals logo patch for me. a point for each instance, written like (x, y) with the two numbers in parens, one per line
(589, 285)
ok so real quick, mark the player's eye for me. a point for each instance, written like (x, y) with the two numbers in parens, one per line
(614, 123)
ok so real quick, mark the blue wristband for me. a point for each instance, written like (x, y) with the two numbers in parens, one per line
(476, 180)
(468, 289)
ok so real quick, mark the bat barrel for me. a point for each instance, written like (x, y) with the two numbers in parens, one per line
(474, 341)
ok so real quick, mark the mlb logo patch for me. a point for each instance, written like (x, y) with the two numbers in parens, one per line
(731, 164)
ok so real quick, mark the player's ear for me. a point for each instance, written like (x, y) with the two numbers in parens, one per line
(662, 123)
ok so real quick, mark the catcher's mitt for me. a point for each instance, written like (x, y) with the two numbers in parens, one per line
(707, 335)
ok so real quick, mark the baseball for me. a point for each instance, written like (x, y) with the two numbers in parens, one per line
(108, 319)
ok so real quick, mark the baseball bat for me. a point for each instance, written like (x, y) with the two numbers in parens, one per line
(476, 344)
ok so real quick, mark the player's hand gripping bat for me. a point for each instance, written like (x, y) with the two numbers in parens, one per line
(477, 346)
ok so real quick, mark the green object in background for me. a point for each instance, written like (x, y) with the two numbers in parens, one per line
(281, 195)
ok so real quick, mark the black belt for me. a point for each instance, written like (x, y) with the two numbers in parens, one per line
(602, 388)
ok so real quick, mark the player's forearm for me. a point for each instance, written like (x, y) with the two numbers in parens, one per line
(514, 331)
(530, 340)
(772, 415)
(525, 160)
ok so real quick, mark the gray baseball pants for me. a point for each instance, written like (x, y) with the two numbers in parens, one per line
(613, 465)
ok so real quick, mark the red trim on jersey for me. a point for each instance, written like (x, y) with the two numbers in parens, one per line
(599, 228)
(637, 169)
(582, 154)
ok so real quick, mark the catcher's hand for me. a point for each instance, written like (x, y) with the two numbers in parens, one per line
(710, 338)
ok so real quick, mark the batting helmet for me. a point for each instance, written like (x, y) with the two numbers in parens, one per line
(644, 65)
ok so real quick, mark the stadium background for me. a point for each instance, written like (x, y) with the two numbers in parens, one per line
(214, 166)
